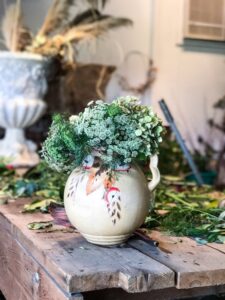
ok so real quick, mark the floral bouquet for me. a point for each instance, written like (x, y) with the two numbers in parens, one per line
(123, 132)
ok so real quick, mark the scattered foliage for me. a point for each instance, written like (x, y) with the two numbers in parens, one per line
(40, 181)
(188, 210)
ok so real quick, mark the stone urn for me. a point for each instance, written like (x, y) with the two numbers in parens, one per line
(107, 208)
(23, 84)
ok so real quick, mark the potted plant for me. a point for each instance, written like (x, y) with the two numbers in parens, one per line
(25, 67)
(107, 195)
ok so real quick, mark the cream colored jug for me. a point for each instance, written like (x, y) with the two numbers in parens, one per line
(108, 210)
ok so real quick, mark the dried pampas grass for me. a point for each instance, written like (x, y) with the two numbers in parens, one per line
(96, 3)
(59, 33)
(59, 43)
(9, 30)
(57, 15)
(103, 24)
(94, 29)
(16, 35)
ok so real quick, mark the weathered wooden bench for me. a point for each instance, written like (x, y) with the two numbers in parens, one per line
(60, 265)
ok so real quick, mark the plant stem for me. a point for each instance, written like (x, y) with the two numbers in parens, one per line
(178, 199)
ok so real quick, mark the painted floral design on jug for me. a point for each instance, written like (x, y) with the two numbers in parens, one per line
(97, 179)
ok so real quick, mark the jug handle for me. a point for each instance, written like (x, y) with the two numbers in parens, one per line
(155, 173)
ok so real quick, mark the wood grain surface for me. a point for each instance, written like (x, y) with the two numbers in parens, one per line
(78, 266)
(194, 265)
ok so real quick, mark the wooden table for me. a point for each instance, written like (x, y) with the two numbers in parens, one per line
(60, 265)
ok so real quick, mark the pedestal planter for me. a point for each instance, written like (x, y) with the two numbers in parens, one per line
(23, 84)
(108, 210)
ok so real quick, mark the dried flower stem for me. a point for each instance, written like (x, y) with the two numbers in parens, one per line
(57, 14)
(15, 37)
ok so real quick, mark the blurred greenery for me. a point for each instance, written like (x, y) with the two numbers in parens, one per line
(40, 182)
(172, 160)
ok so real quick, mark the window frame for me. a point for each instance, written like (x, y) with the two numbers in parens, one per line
(187, 22)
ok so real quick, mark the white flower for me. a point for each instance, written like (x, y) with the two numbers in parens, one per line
(73, 118)
(90, 103)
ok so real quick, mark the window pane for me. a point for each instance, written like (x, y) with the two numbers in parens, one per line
(206, 11)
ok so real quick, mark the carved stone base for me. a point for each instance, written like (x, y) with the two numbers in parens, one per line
(23, 84)
(16, 150)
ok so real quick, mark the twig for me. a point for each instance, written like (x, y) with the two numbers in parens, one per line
(100, 81)
(178, 199)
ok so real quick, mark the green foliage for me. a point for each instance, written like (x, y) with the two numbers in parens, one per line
(188, 210)
(63, 149)
(122, 132)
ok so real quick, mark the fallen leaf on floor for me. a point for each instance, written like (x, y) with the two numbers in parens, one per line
(39, 225)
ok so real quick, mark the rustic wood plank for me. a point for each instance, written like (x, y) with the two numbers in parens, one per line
(219, 247)
(21, 277)
(78, 266)
(39, 244)
(100, 267)
(195, 266)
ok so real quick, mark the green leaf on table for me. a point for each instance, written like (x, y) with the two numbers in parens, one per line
(39, 225)
(38, 205)
(47, 193)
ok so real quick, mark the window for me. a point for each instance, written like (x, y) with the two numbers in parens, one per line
(205, 19)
